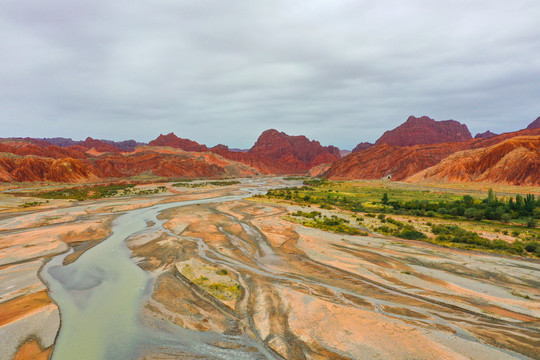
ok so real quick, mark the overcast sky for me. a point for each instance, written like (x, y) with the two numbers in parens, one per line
(218, 71)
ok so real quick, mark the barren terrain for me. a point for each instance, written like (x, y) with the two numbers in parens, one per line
(236, 279)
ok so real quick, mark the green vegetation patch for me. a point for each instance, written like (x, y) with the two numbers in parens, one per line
(515, 218)
(212, 279)
(206, 184)
(334, 223)
(96, 192)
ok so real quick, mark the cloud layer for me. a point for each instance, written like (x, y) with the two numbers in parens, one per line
(223, 71)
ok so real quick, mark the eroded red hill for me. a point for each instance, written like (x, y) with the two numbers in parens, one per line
(424, 130)
(174, 141)
(400, 163)
(298, 152)
(515, 161)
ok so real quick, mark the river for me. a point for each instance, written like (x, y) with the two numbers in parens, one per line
(100, 297)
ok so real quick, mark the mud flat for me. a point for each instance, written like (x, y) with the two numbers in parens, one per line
(207, 274)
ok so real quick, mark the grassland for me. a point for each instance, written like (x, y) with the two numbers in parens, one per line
(190, 184)
(464, 218)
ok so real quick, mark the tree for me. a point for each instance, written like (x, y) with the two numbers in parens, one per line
(491, 197)
(385, 198)
(531, 223)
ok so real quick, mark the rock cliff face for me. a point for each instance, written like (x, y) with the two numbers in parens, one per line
(298, 152)
(174, 163)
(400, 163)
(514, 161)
(485, 135)
(362, 146)
(31, 168)
(390, 162)
(126, 145)
(262, 164)
(174, 141)
(423, 130)
(535, 124)
(99, 146)
(171, 163)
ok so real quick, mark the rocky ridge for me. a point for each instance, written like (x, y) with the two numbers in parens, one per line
(424, 130)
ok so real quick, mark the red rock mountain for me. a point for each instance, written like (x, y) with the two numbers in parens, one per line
(98, 146)
(174, 141)
(485, 135)
(424, 130)
(387, 161)
(31, 168)
(171, 163)
(400, 163)
(262, 164)
(362, 146)
(298, 152)
(535, 124)
(126, 145)
(515, 161)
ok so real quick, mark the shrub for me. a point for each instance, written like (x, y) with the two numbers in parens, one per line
(411, 234)
(531, 223)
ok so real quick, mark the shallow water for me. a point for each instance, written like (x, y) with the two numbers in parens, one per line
(100, 296)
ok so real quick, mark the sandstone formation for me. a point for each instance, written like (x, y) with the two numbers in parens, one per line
(29, 164)
(515, 161)
(362, 146)
(32, 168)
(172, 163)
(343, 153)
(174, 141)
(126, 145)
(264, 165)
(485, 135)
(98, 146)
(425, 130)
(400, 163)
(391, 162)
(295, 151)
(535, 124)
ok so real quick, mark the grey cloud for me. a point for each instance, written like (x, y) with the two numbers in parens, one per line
(215, 71)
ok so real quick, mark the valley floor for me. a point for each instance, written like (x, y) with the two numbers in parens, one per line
(236, 279)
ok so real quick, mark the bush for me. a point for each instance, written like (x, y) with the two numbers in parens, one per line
(531, 223)
(411, 234)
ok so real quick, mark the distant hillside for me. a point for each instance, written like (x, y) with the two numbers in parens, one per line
(296, 151)
(424, 130)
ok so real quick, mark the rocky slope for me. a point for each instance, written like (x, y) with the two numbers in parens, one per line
(485, 135)
(126, 145)
(400, 163)
(174, 141)
(32, 168)
(171, 163)
(30, 163)
(425, 130)
(514, 161)
(298, 152)
(362, 146)
(98, 146)
(263, 164)
(535, 124)
(392, 162)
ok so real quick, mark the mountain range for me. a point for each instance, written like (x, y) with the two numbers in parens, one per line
(420, 149)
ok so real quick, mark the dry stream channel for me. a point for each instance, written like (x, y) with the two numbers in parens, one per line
(222, 277)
